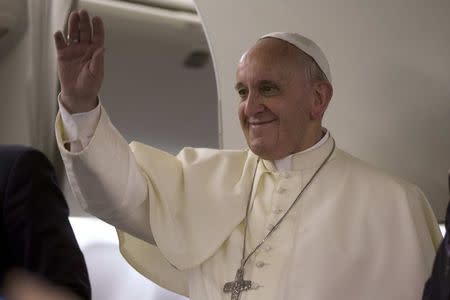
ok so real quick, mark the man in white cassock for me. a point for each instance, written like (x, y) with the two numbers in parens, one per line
(292, 217)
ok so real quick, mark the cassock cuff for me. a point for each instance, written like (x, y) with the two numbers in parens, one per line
(79, 127)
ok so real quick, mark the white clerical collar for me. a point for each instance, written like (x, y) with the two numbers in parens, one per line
(285, 164)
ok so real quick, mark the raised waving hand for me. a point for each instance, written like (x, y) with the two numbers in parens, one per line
(80, 61)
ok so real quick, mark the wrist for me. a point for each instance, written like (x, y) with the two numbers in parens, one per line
(76, 105)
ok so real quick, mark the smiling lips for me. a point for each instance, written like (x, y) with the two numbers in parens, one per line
(259, 123)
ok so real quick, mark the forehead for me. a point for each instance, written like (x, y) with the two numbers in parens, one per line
(270, 59)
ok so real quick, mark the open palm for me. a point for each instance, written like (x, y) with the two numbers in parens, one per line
(80, 62)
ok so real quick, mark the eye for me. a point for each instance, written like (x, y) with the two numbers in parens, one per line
(242, 93)
(268, 89)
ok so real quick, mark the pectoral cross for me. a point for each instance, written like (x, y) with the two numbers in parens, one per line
(238, 285)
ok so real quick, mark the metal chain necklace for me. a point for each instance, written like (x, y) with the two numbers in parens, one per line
(239, 284)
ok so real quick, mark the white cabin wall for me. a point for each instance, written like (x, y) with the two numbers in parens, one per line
(14, 89)
(14, 92)
(28, 77)
(390, 63)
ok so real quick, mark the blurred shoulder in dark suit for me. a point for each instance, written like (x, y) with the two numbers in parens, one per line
(35, 233)
(438, 286)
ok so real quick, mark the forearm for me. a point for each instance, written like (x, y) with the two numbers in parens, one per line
(104, 175)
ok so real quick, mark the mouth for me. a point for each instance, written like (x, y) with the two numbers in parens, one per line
(260, 123)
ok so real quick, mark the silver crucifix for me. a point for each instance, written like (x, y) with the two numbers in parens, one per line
(238, 285)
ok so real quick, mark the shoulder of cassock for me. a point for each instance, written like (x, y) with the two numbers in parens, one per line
(387, 201)
(197, 199)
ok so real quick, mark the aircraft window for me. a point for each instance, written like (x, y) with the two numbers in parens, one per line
(159, 85)
(159, 89)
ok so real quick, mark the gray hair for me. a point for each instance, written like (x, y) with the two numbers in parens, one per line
(313, 72)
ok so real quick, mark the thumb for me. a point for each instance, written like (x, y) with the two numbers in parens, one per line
(97, 61)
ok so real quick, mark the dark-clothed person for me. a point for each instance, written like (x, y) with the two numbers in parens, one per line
(35, 233)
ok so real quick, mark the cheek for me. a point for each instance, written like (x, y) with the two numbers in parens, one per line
(293, 122)
(241, 113)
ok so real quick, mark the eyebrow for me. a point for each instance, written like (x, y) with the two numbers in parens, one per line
(261, 82)
(238, 85)
(267, 82)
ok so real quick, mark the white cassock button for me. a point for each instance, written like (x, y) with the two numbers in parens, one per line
(267, 248)
(278, 210)
(260, 264)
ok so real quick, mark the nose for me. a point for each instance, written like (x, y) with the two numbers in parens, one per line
(253, 105)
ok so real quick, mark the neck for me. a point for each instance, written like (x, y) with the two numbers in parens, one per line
(306, 158)
(310, 139)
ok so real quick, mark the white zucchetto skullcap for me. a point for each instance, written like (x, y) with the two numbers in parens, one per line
(306, 45)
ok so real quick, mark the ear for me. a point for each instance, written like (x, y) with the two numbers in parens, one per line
(322, 93)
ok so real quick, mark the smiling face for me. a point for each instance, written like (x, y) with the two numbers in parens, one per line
(278, 107)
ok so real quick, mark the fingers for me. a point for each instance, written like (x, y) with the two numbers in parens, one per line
(85, 27)
(74, 27)
(98, 37)
(60, 43)
(81, 30)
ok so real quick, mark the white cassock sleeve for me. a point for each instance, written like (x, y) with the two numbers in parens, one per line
(131, 215)
(157, 198)
(122, 205)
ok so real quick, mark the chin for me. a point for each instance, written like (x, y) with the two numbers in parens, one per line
(262, 150)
